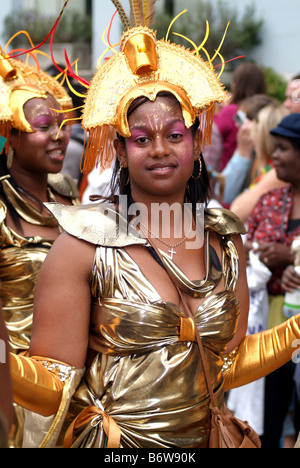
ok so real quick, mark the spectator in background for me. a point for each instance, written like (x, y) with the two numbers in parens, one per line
(274, 224)
(248, 79)
(241, 168)
(292, 95)
(244, 203)
(253, 158)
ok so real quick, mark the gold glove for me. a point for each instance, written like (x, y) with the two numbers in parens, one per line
(38, 383)
(262, 353)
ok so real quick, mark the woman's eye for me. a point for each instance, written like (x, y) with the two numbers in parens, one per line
(281, 147)
(141, 140)
(176, 136)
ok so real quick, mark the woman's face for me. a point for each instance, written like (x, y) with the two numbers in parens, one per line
(286, 160)
(160, 152)
(44, 149)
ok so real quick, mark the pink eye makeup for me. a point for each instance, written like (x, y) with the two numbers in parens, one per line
(46, 120)
(41, 121)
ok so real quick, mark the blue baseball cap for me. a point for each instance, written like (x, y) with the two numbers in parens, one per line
(289, 127)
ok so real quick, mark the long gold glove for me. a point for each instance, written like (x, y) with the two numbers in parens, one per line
(38, 386)
(262, 353)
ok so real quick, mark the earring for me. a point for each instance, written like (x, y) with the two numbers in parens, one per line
(120, 177)
(10, 157)
(200, 169)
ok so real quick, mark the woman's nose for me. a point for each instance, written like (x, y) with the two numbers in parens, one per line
(58, 132)
(160, 148)
(275, 154)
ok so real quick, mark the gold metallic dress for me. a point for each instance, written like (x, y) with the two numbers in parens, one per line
(142, 375)
(21, 259)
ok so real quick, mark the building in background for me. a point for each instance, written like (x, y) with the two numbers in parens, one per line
(280, 31)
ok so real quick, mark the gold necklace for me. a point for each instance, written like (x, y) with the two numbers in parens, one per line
(173, 246)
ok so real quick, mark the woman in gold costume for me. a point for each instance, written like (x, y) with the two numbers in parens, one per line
(34, 148)
(114, 360)
(30, 165)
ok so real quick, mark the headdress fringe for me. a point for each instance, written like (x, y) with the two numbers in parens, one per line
(99, 148)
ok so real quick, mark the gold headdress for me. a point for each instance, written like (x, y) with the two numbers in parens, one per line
(20, 82)
(145, 66)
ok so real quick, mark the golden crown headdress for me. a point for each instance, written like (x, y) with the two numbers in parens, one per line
(20, 82)
(144, 66)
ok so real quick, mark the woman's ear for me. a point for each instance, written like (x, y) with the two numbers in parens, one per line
(121, 151)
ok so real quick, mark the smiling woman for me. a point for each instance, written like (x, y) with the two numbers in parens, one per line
(160, 153)
(30, 115)
(138, 333)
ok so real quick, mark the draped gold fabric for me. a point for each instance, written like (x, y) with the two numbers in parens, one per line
(143, 377)
(21, 259)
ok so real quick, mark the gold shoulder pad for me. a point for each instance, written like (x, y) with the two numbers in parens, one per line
(223, 222)
(63, 184)
(97, 223)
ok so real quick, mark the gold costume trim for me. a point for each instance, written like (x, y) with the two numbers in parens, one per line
(24, 209)
(187, 329)
(90, 415)
(100, 224)
(195, 288)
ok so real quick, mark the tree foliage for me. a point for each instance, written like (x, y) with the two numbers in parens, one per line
(73, 27)
(243, 33)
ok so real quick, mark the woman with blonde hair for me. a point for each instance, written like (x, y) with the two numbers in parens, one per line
(268, 117)
(263, 176)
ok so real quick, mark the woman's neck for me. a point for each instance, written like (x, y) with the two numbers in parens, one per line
(35, 184)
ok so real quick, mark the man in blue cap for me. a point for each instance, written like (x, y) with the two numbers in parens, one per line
(289, 127)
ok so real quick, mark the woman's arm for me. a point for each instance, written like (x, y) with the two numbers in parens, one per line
(243, 205)
(62, 303)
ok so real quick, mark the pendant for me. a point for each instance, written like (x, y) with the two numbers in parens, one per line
(172, 253)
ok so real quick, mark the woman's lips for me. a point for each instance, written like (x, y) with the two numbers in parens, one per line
(56, 155)
(162, 168)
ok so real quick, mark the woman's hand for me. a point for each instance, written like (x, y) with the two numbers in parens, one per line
(275, 254)
(248, 245)
(244, 140)
(290, 280)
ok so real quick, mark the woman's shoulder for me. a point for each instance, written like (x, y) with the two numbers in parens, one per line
(96, 223)
(223, 222)
(275, 196)
(64, 185)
